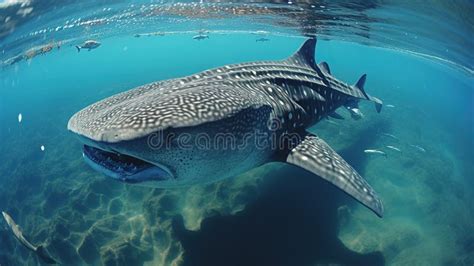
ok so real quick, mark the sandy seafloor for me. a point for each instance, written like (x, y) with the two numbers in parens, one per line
(273, 215)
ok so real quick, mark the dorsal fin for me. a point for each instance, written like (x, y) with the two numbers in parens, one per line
(324, 67)
(361, 82)
(305, 55)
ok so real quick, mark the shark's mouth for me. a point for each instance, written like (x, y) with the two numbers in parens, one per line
(123, 167)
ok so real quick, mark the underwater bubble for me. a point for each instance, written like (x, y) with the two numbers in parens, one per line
(42, 147)
(20, 117)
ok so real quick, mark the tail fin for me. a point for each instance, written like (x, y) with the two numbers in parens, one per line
(78, 48)
(43, 254)
(377, 101)
(360, 85)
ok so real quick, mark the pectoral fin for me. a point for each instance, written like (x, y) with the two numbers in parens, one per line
(316, 156)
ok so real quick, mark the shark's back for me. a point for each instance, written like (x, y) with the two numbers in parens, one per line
(205, 97)
(159, 106)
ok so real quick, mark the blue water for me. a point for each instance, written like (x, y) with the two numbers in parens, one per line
(273, 215)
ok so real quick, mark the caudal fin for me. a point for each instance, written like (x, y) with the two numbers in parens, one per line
(377, 101)
(43, 254)
(78, 48)
(360, 85)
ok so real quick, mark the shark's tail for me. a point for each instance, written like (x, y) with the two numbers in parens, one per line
(360, 85)
(78, 48)
(377, 101)
(43, 254)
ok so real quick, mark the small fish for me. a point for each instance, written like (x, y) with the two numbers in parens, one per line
(13, 60)
(356, 114)
(260, 32)
(352, 105)
(262, 40)
(20, 117)
(418, 147)
(157, 33)
(89, 45)
(200, 37)
(39, 250)
(390, 136)
(375, 152)
(42, 147)
(393, 148)
(390, 105)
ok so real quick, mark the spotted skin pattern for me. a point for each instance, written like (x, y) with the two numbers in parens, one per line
(316, 156)
(213, 95)
(237, 99)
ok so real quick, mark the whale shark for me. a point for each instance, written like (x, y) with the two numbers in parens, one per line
(222, 122)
